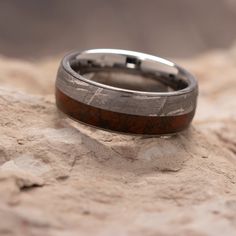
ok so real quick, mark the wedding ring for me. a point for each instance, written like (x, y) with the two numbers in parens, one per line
(126, 91)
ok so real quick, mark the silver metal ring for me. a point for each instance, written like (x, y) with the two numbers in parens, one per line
(171, 90)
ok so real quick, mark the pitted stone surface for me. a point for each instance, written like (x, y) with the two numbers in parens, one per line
(60, 178)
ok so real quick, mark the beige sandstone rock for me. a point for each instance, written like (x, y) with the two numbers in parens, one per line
(60, 178)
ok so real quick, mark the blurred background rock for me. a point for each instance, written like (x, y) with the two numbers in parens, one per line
(32, 29)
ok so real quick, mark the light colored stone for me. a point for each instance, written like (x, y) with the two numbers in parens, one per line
(59, 178)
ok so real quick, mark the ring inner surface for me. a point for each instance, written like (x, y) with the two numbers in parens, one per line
(129, 73)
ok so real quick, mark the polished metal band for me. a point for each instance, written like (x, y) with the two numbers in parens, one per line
(178, 99)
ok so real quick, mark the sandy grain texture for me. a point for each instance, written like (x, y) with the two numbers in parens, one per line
(61, 178)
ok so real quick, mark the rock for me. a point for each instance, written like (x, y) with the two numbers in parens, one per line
(59, 177)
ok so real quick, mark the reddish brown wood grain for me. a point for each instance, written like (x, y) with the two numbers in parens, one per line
(121, 122)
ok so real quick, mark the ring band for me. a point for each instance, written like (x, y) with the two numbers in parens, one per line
(161, 101)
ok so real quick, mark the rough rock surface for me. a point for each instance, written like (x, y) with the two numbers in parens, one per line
(61, 178)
